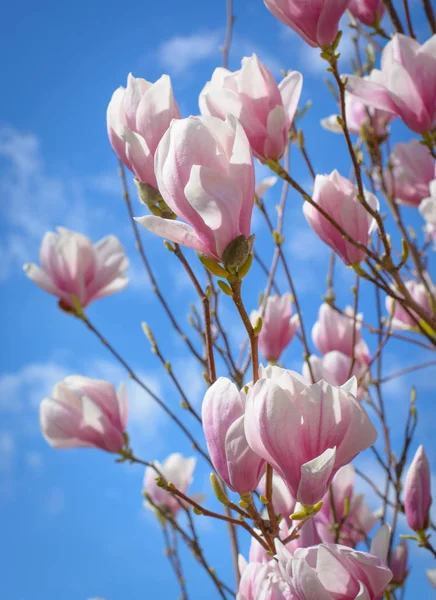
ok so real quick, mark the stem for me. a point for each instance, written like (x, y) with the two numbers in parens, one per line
(393, 16)
(236, 288)
(230, 20)
(408, 19)
(430, 14)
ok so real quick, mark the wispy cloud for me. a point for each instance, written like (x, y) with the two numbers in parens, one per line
(180, 53)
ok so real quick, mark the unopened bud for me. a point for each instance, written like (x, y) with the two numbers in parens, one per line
(237, 252)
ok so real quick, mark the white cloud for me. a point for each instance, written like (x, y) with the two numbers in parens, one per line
(180, 53)
(7, 450)
(34, 200)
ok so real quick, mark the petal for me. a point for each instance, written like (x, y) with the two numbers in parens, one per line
(290, 90)
(315, 477)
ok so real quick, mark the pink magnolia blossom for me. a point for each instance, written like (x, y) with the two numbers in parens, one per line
(263, 186)
(401, 318)
(175, 469)
(83, 412)
(264, 109)
(337, 196)
(398, 563)
(417, 492)
(349, 509)
(316, 21)
(278, 326)
(205, 173)
(413, 169)
(406, 84)
(360, 118)
(282, 499)
(223, 424)
(137, 118)
(335, 572)
(336, 368)
(71, 265)
(369, 12)
(306, 432)
(336, 331)
(262, 581)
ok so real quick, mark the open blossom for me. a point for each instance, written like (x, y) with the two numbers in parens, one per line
(306, 432)
(400, 87)
(175, 469)
(316, 21)
(137, 118)
(369, 12)
(83, 412)
(336, 331)
(262, 581)
(349, 509)
(278, 326)
(205, 173)
(223, 424)
(401, 317)
(398, 563)
(337, 196)
(264, 108)
(335, 572)
(417, 492)
(71, 265)
(336, 368)
(360, 117)
(413, 169)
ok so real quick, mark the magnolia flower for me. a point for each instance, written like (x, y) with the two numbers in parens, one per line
(223, 424)
(401, 317)
(398, 563)
(360, 118)
(83, 412)
(417, 492)
(264, 109)
(316, 21)
(74, 267)
(137, 118)
(175, 469)
(332, 571)
(400, 87)
(369, 12)
(338, 197)
(205, 173)
(413, 169)
(336, 331)
(336, 368)
(278, 326)
(350, 510)
(306, 432)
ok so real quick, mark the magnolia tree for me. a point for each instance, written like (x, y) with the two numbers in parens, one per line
(279, 443)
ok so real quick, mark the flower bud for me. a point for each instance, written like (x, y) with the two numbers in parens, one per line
(417, 492)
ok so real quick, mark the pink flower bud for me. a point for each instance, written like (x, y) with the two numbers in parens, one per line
(337, 196)
(73, 266)
(369, 12)
(400, 88)
(205, 173)
(137, 118)
(336, 331)
(306, 432)
(349, 509)
(316, 21)
(278, 326)
(402, 318)
(417, 492)
(337, 368)
(413, 169)
(330, 571)
(264, 109)
(175, 469)
(399, 563)
(83, 412)
(223, 424)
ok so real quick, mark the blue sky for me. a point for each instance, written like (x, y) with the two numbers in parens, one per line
(73, 525)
